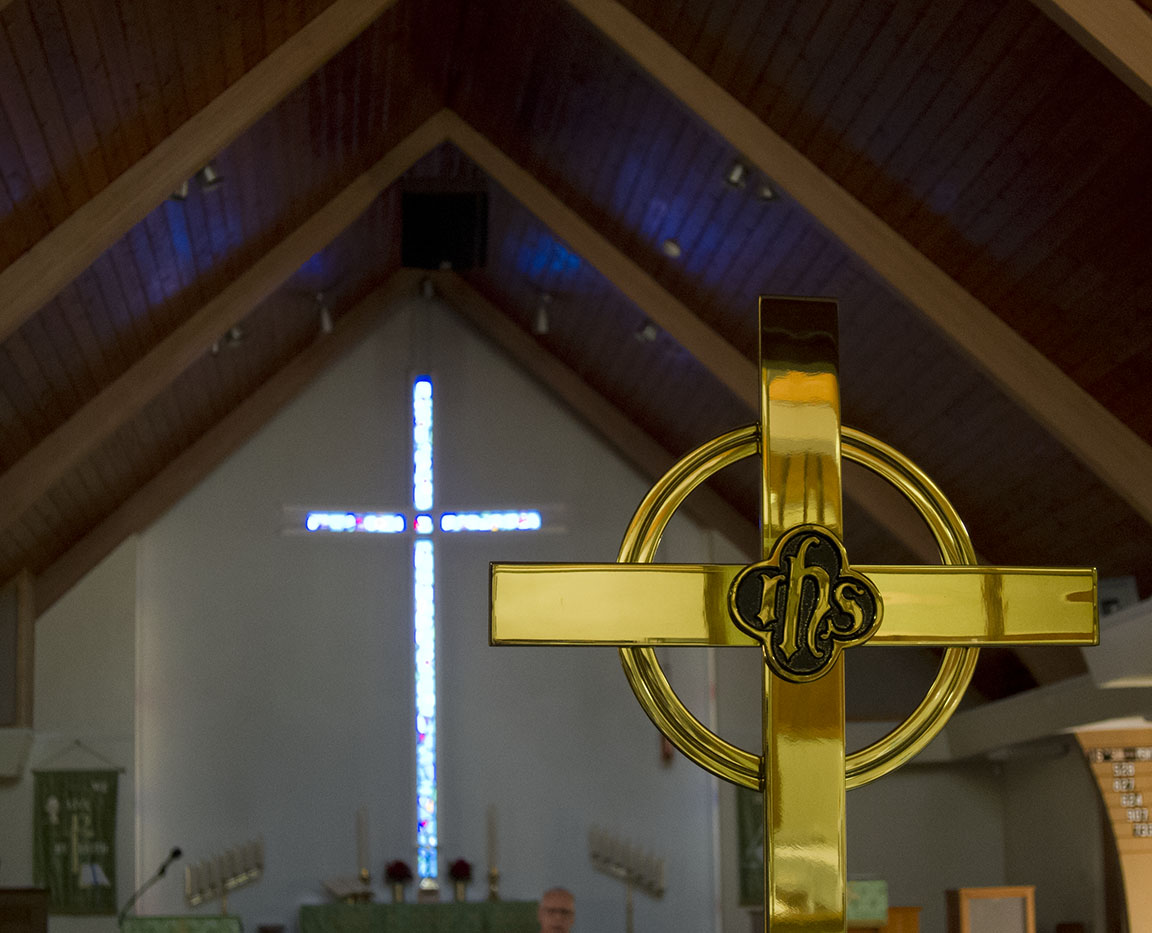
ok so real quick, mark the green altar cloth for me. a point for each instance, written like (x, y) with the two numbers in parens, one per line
(450, 917)
(215, 924)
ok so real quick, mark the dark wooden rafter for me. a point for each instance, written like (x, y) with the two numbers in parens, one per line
(71, 247)
(1117, 32)
(30, 478)
(193, 465)
(1120, 458)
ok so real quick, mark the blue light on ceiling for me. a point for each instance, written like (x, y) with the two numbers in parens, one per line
(546, 255)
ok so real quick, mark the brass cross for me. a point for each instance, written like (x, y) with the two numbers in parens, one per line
(801, 604)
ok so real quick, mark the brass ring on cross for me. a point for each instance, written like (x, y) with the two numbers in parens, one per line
(662, 704)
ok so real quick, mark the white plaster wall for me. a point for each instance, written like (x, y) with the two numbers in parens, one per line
(84, 690)
(1054, 838)
(275, 670)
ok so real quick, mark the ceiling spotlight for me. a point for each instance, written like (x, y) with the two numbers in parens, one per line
(647, 332)
(208, 178)
(234, 337)
(231, 339)
(325, 314)
(737, 175)
(765, 191)
(181, 193)
(540, 322)
(671, 249)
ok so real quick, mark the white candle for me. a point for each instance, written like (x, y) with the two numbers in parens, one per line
(362, 839)
(493, 850)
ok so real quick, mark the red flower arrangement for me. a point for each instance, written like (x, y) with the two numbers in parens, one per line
(460, 870)
(397, 872)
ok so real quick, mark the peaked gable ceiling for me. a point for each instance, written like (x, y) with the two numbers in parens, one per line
(969, 182)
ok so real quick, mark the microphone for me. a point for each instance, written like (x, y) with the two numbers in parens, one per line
(172, 856)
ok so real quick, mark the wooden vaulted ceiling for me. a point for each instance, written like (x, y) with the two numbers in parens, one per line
(970, 181)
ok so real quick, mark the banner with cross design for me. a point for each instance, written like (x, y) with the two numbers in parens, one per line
(74, 839)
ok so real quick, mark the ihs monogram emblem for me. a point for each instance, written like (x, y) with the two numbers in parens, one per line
(804, 604)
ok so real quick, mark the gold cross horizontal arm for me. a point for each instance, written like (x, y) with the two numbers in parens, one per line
(686, 604)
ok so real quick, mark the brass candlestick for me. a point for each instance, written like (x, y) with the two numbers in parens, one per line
(493, 884)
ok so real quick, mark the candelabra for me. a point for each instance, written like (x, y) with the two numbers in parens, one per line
(621, 860)
(215, 877)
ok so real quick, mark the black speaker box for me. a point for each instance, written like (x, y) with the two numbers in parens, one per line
(444, 230)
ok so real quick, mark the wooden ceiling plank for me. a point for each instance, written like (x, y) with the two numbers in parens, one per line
(1117, 32)
(628, 440)
(729, 365)
(27, 159)
(35, 473)
(190, 468)
(73, 245)
(74, 108)
(1105, 444)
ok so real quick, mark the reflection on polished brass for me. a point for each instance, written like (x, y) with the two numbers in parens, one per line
(804, 770)
(685, 604)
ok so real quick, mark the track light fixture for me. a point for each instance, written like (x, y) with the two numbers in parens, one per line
(647, 332)
(737, 175)
(231, 339)
(765, 191)
(541, 321)
(208, 178)
(325, 314)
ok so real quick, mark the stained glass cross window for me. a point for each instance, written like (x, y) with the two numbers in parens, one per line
(424, 523)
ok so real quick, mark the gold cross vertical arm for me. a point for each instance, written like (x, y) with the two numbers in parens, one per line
(802, 603)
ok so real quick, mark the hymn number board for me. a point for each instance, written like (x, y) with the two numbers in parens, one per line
(1125, 778)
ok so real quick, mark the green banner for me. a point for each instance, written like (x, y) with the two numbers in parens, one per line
(75, 840)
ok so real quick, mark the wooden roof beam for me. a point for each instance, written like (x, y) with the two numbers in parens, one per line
(1117, 32)
(628, 440)
(1105, 444)
(57, 259)
(42, 467)
(724, 361)
(190, 468)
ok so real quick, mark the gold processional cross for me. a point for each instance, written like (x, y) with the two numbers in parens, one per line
(802, 603)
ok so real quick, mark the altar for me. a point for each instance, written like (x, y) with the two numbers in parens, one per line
(448, 917)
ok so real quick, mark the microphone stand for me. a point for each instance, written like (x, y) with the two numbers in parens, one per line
(145, 886)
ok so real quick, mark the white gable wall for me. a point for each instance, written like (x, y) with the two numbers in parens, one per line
(276, 669)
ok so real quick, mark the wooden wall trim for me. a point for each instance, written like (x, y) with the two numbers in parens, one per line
(1097, 437)
(1117, 32)
(35, 473)
(57, 259)
(25, 648)
(193, 465)
(627, 439)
